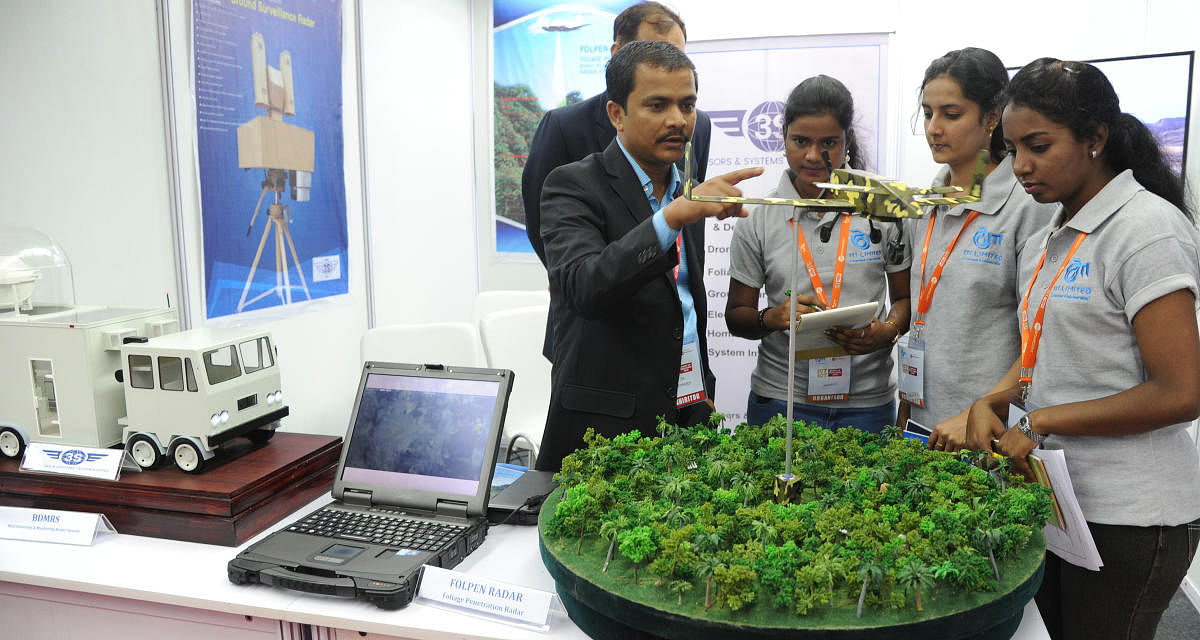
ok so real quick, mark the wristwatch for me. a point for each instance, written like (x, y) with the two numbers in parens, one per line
(1026, 428)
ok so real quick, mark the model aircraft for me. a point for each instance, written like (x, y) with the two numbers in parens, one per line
(861, 192)
(824, 204)
(883, 199)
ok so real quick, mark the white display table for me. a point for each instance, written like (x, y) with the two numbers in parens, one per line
(121, 584)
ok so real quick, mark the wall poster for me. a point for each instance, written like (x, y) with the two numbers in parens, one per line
(268, 92)
(546, 54)
(1156, 89)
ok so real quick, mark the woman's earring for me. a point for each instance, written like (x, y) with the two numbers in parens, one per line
(847, 161)
(1093, 154)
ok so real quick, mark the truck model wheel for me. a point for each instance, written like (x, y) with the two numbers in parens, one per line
(145, 453)
(12, 445)
(261, 436)
(187, 456)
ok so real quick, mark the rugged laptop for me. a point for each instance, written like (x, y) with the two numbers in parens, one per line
(411, 487)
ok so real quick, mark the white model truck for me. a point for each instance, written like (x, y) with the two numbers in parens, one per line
(103, 376)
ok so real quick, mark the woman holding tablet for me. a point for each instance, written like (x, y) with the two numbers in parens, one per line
(846, 260)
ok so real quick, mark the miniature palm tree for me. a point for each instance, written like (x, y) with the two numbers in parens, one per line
(668, 453)
(709, 563)
(913, 575)
(891, 432)
(718, 470)
(672, 487)
(763, 531)
(611, 530)
(991, 538)
(870, 571)
(680, 587)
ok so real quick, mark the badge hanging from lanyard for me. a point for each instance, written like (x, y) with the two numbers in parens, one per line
(828, 378)
(912, 354)
(690, 388)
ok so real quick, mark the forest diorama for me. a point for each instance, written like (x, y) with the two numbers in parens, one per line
(689, 522)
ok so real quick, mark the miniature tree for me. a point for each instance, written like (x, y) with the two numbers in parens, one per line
(718, 470)
(680, 587)
(990, 538)
(870, 572)
(945, 572)
(764, 531)
(637, 544)
(914, 574)
(611, 530)
(708, 564)
(736, 582)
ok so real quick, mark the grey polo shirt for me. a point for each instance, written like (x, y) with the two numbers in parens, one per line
(760, 254)
(1138, 249)
(970, 337)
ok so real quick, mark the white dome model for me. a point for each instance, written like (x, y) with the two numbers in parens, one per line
(35, 274)
(17, 279)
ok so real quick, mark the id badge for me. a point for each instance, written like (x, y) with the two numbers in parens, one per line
(829, 379)
(691, 378)
(912, 372)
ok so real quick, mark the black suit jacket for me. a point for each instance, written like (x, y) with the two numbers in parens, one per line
(618, 325)
(569, 134)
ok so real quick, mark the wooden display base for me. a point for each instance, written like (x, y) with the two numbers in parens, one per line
(246, 489)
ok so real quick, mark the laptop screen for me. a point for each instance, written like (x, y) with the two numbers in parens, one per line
(423, 433)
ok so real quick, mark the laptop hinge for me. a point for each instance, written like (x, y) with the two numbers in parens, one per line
(357, 497)
(453, 508)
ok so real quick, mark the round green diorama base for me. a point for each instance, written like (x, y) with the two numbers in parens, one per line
(610, 605)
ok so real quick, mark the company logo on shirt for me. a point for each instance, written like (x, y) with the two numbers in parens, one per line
(860, 240)
(1073, 285)
(1076, 270)
(988, 247)
(862, 249)
(984, 239)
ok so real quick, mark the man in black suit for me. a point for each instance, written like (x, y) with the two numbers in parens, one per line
(629, 311)
(570, 133)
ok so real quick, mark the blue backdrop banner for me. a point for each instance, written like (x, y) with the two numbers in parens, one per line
(268, 86)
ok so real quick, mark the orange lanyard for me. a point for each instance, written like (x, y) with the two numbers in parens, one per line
(838, 271)
(1032, 337)
(925, 298)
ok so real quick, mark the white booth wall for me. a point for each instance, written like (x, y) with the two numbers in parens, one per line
(85, 144)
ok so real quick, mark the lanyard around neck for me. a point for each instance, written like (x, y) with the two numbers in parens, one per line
(1031, 336)
(839, 269)
(925, 297)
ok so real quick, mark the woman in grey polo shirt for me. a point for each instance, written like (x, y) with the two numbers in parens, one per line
(962, 318)
(818, 118)
(1110, 348)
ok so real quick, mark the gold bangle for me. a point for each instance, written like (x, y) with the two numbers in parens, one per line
(895, 326)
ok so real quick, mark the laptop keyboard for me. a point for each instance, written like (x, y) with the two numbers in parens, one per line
(378, 528)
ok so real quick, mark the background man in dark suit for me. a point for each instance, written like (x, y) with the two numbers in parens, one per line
(575, 131)
(625, 258)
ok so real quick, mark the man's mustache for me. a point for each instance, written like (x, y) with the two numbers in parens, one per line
(674, 133)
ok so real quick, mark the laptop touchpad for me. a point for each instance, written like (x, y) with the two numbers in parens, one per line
(338, 554)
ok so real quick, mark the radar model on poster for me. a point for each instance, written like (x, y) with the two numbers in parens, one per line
(285, 154)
